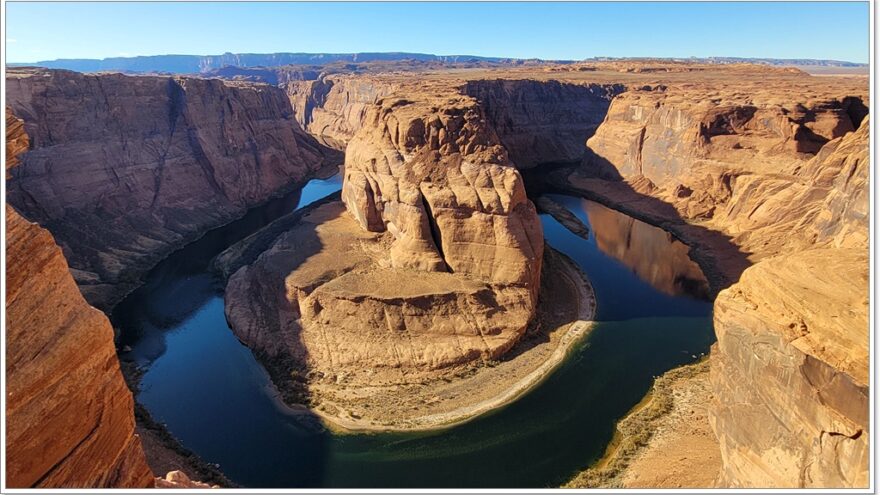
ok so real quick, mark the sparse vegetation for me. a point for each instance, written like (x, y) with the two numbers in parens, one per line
(635, 430)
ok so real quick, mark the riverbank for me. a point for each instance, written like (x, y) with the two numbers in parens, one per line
(164, 453)
(665, 441)
(558, 326)
(465, 392)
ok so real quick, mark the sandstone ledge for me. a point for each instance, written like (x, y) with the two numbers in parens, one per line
(355, 383)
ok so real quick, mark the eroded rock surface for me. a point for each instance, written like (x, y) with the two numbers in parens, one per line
(333, 108)
(69, 414)
(790, 372)
(327, 297)
(434, 174)
(786, 180)
(122, 170)
(432, 266)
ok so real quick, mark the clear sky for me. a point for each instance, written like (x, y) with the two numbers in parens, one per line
(829, 30)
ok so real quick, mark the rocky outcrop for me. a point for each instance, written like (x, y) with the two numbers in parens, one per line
(787, 182)
(790, 372)
(435, 175)
(441, 246)
(737, 167)
(149, 163)
(180, 481)
(791, 366)
(69, 414)
(327, 298)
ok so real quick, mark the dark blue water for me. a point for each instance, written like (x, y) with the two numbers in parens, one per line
(218, 401)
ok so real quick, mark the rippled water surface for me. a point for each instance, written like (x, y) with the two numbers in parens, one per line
(217, 400)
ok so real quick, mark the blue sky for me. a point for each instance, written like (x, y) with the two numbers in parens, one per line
(829, 30)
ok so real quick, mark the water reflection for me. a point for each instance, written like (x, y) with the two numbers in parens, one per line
(653, 254)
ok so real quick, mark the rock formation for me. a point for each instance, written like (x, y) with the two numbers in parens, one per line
(436, 263)
(333, 108)
(791, 368)
(435, 175)
(69, 413)
(179, 480)
(787, 182)
(149, 163)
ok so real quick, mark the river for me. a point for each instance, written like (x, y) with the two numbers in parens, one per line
(653, 315)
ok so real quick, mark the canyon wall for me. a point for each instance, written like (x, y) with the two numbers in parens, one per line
(543, 121)
(149, 163)
(69, 413)
(333, 108)
(791, 369)
(788, 183)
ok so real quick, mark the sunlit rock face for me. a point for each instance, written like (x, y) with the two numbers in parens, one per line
(441, 183)
(149, 163)
(69, 414)
(432, 262)
(788, 183)
(791, 373)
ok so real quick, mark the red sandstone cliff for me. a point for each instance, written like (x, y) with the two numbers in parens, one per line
(149, 163)
(69, 413)
(787, 180)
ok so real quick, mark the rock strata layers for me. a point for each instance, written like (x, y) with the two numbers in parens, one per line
(435, 264)
(434, 175)
(69, 413)
(786, 180)
(149, 163)
(798, 323)
(333, 108)
(543, 121)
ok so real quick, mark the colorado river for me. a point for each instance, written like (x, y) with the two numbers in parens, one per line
(215, 397)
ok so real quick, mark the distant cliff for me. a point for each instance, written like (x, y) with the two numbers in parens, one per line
(193, 64)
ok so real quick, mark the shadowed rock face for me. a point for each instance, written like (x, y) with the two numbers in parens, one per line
(149, 163)
(69, 414)
(543, 121)
(333, 108)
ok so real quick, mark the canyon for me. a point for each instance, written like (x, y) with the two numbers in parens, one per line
(70, 414)
(150, 163)
(431, 266)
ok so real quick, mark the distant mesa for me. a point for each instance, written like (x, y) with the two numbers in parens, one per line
(200, 64)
